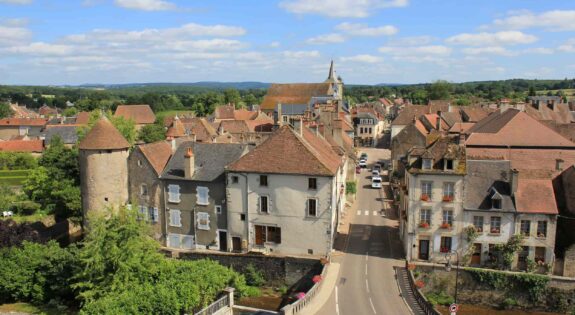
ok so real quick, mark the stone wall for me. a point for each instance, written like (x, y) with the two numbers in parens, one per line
(569, 262)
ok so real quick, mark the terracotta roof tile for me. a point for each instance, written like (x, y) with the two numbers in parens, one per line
(474, 114)
(461, 127)
(103, 136)
(295, 93)
(224, 112)
(82, 118)
(141, 114)
(535, 196)
(176, 130)
(31, 146)
(157, 153)
(234, 126)
(286, 152)
(23, 122)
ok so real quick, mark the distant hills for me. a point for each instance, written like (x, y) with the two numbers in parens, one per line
(203, 84)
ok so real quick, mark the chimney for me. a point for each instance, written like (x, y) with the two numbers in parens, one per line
(298, 126)
(280, 118)
(173, 144)
(514, 181)
(189, 164)
(438, 121)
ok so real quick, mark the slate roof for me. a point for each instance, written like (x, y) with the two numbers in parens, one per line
(141, 114)
(30, 146)
(103, 136)
(514, 128)
(68, 134)
(292, 109)
(23, 121)
(286, 152)
(157, 153)
(210, 160)
(294, 93)
(484, 176)
(443, 148)
(535, 196)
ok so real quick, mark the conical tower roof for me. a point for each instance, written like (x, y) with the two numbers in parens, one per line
(331, 78)
(104, 136)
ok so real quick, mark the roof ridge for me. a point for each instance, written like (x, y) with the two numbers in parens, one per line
(310, 147)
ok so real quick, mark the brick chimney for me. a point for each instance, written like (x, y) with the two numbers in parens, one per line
(514, 181)
(189, 164)
(438, 121)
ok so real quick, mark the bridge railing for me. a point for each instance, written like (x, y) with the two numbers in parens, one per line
(425, 305)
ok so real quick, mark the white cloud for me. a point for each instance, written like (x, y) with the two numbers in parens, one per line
(490, 50)
(340, 8)
(555, 21)
(16, 1)
(539, 50)
(411, 41)
(492, 39)
(275, 44)
(326, 39)
(10, 35)
(301, 54)
(146, 5)
(359, 29)
(568, 46)
(362, 58)
(434, 50)
(40, 48)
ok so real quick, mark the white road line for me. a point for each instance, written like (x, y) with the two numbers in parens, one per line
(358, 212)
(366, 212)
(366, 269)
(374, 212)
(336, 301)
(367, 285)
(372, 307)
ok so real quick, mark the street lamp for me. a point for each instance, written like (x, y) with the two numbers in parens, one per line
(448, 269)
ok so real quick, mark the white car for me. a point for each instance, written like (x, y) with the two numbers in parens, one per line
(375, 173)
(376, 182)
(362, 164)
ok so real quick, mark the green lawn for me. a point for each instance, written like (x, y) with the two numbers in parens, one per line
(13, 178)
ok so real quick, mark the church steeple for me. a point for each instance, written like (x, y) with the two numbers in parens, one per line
(331, 75)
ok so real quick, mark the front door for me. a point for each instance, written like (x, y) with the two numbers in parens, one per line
(223, 241)
(236, 244)
(476, 258)
(424, 249)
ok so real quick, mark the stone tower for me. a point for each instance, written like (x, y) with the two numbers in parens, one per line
(336, 81)
(103, 168)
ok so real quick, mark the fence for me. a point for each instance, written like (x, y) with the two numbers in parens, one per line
(425, 305)
(226, 301)
(299, 305)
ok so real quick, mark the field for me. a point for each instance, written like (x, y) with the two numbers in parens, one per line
(568, 92)
(13, 178)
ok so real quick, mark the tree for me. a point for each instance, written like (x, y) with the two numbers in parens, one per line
(440, 90)
(127, 127)
(5, 110)
(531, 91)
(152, 133)
(232, 96)
(69, 112)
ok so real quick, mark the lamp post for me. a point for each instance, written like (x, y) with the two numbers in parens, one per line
(448, 268)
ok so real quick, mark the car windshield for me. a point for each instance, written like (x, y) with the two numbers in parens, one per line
(377, 180)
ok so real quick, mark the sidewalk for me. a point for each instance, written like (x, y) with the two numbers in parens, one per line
(326, 289)
(340, 242)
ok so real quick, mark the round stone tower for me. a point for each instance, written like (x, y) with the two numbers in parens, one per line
(103, 168)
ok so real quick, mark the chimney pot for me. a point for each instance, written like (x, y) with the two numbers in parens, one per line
(190, 164)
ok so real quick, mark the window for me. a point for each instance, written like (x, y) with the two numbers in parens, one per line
(311, 207)
(267, 234)
(449, 164)
(202, 197)
(264, 180)
(539, 254)
(523, 254)
(542, 229)
(242, 217)
(235, 179)
(218, 209)
(525, 228)
(144, 190)
(448, 191)
(140, 163)
(285, 118)
(187, 242)
(426, 164)
(264, 205)
(495, 227)
(174, 240)
(445, 246)
(447, 218)
(203, 220)
(153, 214)
(426, 190)
(558, 165)
(173, 193)
(175, 218)
(143, 213)
(496, 203)
(478, 223)
(312, 183)
(425, 217)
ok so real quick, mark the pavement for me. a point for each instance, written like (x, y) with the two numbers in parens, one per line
(367, 250)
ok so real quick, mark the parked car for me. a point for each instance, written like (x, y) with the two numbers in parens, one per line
(362, 164)
(375, 173)
(377, 167)
(363, 155)
(357, 169)
(376, 182)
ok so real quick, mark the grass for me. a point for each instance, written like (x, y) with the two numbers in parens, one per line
(38, 216)
(30, 309)
(568, 92)
(13, 177)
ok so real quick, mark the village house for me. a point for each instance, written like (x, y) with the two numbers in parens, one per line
(34, 147)
(285, 196)
(369, 125)
(141, 114)
(17, 127)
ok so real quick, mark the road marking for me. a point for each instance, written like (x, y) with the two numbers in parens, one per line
(374, 212)
(372, 307)
(367, 285)
(366, 212)
(366, 269)
(358, 212)
(336, 302)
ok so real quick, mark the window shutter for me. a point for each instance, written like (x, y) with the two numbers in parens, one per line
(278, 238)
(454, 243)
(156, 215)
(203, 220)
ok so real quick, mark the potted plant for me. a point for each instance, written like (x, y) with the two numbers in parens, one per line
(447, 198)
(424, 225)
(540, 235)
(425, 197)
(495, 231)
(446, 226)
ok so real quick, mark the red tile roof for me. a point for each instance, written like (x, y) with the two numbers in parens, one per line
(295, 93)
(286, 152)
(535, 196)
(177, 129)
(157, 153)
(23, 122)
(103, 136)
(224, 112)
(141, 114)
(461, 127)
(82, 118)
(474, 114)
(31, 146)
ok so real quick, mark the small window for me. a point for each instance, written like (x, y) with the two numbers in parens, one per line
(218, 209)
(264, 205)
(558, 165)
(140, 163)
(496, 203)
(447, 218)
(495, 227)
(448, 191)
(445, 244)
(203, 220)
(311, 207)
(175, 218)
(478, 223)
(264, 180)
(525, 228)
(449, 164)
(427, 163)
(173, 193)
(542, 229)
(242, 217)
(143, 213)
(540, 255)
(202, 197)
(235, 179)
(144, 190)
(426, 188)
(312, 183)
(425, 217)
(153, 214)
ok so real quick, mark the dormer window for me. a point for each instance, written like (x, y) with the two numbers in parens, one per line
(426, 164)
(496, 203)
(448, 165)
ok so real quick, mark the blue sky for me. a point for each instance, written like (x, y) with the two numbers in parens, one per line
(371, 41)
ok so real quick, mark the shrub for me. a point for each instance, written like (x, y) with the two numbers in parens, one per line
(508, 303)
(439, 298)
(253, 276)
(350, 187)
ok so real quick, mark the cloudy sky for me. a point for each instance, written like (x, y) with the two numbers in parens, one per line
(371, 41)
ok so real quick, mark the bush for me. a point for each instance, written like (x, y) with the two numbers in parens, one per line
(25, 207)
(13, 234)
(439, 298)
(508, 303)
(253, 276)
(350, 187)
(17, 161)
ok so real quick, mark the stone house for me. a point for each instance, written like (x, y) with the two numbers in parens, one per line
(285, 196)
(195, 201)
(369, 125)
(432, 198)
(145, 164)
(17, 127)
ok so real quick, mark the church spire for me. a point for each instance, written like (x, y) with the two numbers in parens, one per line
(331, 75)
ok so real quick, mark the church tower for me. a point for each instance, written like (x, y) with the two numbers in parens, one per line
(103, 168)
(336, 82)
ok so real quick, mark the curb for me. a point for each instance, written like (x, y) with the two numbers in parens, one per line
(325, 291)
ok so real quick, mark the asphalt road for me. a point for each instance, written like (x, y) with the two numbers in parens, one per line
(367, 283)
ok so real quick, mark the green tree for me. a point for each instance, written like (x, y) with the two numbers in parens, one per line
(126, 127)
(152, 133)
(440, 90)
(232, 96)
(250, 99)
(5, 110)
(532, 91)
(70, 112)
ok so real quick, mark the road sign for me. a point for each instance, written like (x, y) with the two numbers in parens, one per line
(453, 308)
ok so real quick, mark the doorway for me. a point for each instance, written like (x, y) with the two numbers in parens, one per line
(476, 257)
(223, 238)
(236, 244)
(424, 249)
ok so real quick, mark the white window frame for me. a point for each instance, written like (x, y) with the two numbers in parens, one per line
(426, 167)
(449, 189)
(260, 204)
(174, 193)
(203, 216)
(153, 214)
(143, 213)
(178, 221)
(491, 225)
(218, 209)
(144, 190)
(425, 216)
(447, 217)
(423, 191)
(202, 196)
(476, 224)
